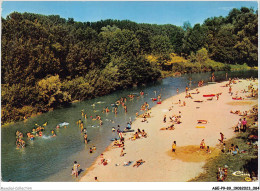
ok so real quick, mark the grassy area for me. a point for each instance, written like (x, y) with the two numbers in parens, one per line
(240, 67)
(246, 162)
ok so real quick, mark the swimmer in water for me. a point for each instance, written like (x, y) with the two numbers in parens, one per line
(85, 138)
(53, 133)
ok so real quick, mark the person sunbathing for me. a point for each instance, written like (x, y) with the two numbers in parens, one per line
(138, 163)
(168, 128)
(104, 162)
(202, 121)
(136, 136)
(188, 96)
(116, 142)
(144, 134)
(171, 127)
(235, 112)
(144, 120)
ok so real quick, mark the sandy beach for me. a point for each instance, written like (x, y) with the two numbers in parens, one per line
(161, 164)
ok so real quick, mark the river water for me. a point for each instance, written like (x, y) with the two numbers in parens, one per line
(51, 158)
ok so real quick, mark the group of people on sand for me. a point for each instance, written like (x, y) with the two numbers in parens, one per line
(119, 142)
(203, 146)
(241, 125)
(181, 104)
(188, 95)
(174, 119)
(233, 149)
(138, 134)
(240, 113)
(145, 107)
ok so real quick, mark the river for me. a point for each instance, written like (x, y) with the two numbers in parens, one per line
(49, 158)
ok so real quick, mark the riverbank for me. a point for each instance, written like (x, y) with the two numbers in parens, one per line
(160, 163)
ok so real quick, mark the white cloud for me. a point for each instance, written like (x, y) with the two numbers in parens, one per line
(226, 8)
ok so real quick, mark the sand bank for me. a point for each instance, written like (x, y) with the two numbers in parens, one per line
(161, 165)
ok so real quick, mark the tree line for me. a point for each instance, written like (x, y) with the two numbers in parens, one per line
(49, 61)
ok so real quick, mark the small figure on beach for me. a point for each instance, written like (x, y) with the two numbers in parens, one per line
(177, 90)
(144, 134)
(230, 90)
(122, 152)
(128, 126)
(138, 163)
(221, 137)
(208, 150)
(164, 119)
(202, 144)
(244, 124)
(173, 146)
(238, 127)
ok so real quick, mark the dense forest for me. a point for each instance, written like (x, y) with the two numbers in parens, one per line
(48, 61)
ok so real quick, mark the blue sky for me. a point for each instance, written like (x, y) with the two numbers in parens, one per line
(155, 12)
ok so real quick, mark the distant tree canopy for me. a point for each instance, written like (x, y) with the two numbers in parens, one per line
(47, 61)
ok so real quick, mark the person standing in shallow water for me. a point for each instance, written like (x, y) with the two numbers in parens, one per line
(76, 169)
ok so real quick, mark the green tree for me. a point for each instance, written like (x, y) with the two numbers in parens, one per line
(50, 93)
